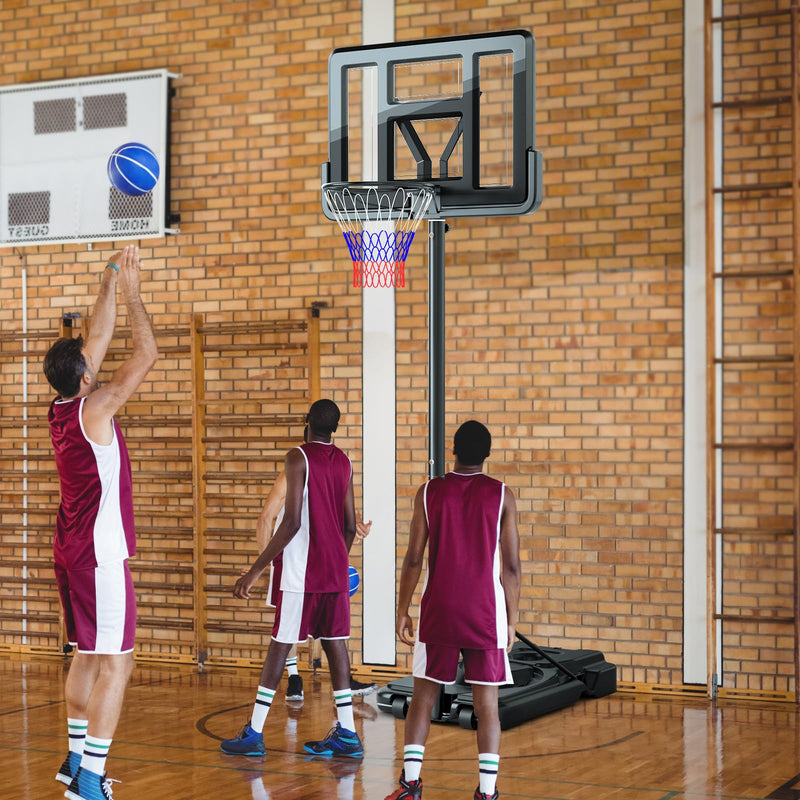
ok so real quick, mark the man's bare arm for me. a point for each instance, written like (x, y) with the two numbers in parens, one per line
(412, 566)
(349, 515)
(102, 404)
(292, 516)
(272, 507)
(509, 550)
(103, 317)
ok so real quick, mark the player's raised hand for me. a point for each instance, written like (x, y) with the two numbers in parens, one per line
(129, 272)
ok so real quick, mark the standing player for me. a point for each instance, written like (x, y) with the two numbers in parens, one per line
(94, 528)
(314, 536)
(469, 522)
(268, 521)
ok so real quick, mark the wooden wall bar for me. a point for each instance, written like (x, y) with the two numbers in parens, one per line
(207, 434)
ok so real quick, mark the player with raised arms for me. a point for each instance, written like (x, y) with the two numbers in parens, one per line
(95, 533)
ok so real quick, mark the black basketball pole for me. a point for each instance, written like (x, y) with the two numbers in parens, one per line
(436, 231)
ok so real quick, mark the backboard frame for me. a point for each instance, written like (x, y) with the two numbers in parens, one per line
(458, 196)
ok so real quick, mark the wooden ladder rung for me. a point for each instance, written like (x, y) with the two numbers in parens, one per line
(752, 102)
(754, 531)
(753, 187)
(754, 273)
(747, 618)
(754, 359)
(751, 15)
(753, 445)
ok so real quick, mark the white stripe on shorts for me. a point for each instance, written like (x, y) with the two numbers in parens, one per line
(291, 616)
(420, 665)
(109, 588)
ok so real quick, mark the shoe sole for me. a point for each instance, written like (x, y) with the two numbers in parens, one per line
(63, 779)
(359, 754)
(364, 692)
(237, 753)
(72, 795)
(294, 697)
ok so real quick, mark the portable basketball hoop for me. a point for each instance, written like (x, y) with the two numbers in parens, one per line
(378, 221)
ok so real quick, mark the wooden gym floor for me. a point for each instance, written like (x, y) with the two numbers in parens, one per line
(622, 747)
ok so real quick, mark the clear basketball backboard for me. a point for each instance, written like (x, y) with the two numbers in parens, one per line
(458, 113)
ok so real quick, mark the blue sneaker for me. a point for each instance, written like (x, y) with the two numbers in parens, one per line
(88, 785)
(68, 768)
(338, 742)
(247, 743)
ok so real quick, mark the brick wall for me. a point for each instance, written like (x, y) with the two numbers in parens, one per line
(565, 328)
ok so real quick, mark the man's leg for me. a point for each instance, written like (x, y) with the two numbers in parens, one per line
(108, 692)
(484, 700)
(342, 739)
(250, 741)
(294, 689)
(80, 681)
(418, 726)
(96, 689)
(339, 666)
(104, 704)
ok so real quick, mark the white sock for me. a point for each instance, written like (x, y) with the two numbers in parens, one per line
(487, 765)
(344, 708)
(94, 754)
(291, 665)
(76, 730)
(412, 761)
(261, 708)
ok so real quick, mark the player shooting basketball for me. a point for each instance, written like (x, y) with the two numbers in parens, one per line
(94, 528)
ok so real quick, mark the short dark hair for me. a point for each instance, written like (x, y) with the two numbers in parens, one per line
(64, 366)
(472, 443)
(323, 417)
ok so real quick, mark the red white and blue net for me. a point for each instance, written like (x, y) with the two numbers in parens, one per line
(378, 223)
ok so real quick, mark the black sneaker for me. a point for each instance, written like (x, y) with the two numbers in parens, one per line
(87, 785)
(338, 742)
(361, 689)
(479, 795)
(294, 691)
(68, 768)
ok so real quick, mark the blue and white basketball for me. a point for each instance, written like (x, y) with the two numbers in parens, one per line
(133, 169)
(352, 574)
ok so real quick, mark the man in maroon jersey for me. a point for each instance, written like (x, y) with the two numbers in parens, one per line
(314, 538)
(94, 528)
(469, 522)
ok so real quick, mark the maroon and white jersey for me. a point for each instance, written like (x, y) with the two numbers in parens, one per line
(315, 560)
(94, 525)
(463, 604)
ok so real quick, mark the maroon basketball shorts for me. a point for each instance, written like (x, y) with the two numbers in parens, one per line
(321, 615)
(99, 607)
(439, 663)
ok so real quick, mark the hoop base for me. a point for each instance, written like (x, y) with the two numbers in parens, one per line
(379, 274)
